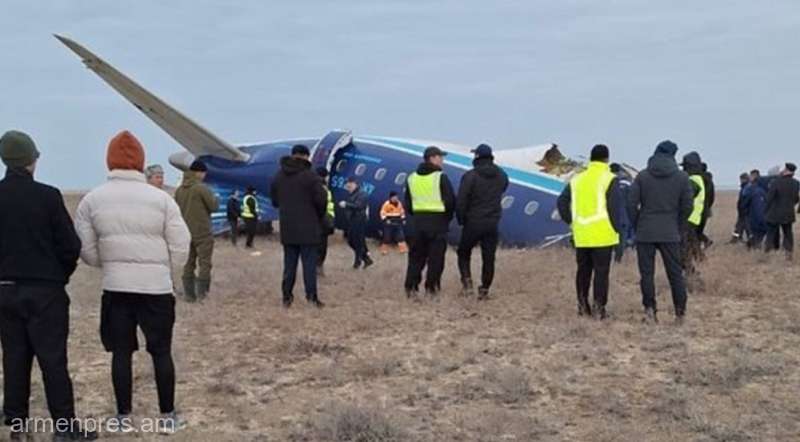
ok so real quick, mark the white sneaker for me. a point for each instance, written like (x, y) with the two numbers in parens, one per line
(170, 423)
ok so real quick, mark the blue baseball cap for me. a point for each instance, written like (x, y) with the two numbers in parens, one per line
(483, 151)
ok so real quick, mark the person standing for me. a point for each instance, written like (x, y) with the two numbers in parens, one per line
(39, 252)
(693, 241)
(740, 231)
(232, 213)
(590, 204)
(659, 204)
(783, 196)
(355, 210)
(155, 176)
(430, 201)
(299, 195)
(754, 206)
(197, 203)
(479, 211)
(134, 233)
(708, 204)
(626, 234)
(328, 224)
(393, 218)
(250, 215)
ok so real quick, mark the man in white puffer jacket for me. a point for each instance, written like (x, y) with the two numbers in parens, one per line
(134, 232)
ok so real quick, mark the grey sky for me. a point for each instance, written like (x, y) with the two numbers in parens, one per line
(720, 76)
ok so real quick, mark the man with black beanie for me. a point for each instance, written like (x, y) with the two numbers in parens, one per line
(39, 251)
(591, 205)
(659, 206)
(782, 198)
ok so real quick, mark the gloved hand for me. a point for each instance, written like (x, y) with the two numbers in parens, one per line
(342, 204)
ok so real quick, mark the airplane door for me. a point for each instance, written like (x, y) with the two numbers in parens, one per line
(322, 154)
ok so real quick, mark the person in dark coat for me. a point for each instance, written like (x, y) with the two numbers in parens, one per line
(232, 212)
(659, 205)
(39, 251)
(478, 209)
(754, 206)
(783, 196)
(740, 232)
(627, 236)
(299, 195)
(249, 213)
(328, 225)
(355, 212)
(708, 182)
(430, 224)
(693, 252)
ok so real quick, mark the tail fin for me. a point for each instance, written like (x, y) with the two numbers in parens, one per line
(195, 138)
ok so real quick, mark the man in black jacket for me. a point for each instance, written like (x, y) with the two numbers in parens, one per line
(355, 212)
(478, 210)
(232, 211)
(708, 182)
(39, 251)
(659, 206)
(299, 195)
(783, 196)
(430, 201)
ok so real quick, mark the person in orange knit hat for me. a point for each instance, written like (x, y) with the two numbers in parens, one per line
(393, 217)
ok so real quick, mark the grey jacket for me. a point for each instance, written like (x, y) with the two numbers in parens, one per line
(660, 201)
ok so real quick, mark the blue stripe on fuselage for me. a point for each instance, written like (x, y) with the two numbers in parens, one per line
(542, 182)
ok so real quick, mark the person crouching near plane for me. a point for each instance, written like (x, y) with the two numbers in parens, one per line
(478, 209)
(249, 214)
(299, 195)
(693, 235)
(659, 206)
(430, 201)
(155, 176)
(134, 233)
(328, 223)
(355, 210)
(590, 204)
(39, 252)
(393, 218)
(197, 203)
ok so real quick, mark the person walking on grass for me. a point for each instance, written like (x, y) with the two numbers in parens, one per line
(134, 233)
(355, 211)
(693, 253)
(233, 210)
(299, 195)
(659, 206)
(249, 213)
(197, 203)
(478, 209)
(39, 252)
(591, 205)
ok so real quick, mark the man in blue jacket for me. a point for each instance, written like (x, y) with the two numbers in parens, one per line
(355, 211)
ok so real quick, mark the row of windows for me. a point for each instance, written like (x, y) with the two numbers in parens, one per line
(400, 179)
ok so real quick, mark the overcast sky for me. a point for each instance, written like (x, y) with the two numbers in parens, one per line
(719, 76)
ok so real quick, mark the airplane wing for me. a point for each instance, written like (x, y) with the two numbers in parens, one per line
(195, 138)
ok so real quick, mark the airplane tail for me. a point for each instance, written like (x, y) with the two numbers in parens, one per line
(192, 136)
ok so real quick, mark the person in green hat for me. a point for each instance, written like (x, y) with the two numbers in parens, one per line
(39, 253)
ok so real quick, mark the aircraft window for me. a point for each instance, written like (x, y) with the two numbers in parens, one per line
(341, 165)
(531, 208)
(507, 202)
(380, 174)
(360, 169)
(555, 216)
(401, 179)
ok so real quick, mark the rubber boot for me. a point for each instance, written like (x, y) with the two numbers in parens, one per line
(202, 286)
(189, 289)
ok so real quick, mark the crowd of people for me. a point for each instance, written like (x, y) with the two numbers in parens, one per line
(135, 232)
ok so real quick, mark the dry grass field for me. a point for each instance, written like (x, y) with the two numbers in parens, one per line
(522, 367)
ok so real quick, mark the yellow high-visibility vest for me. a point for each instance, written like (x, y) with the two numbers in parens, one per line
(591, 224)
(426, 192)
(331, 208)
(699, 201)
(246, 213)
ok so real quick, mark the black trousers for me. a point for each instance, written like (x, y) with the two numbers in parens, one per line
(234, 223)
(595, 261)
(322, 250)
(671, 256)
(121, 314)
(34, 321)
(250, 226)
(426, 250)
(357, 240)
(487, 237)
(292, 254)
(774, 237)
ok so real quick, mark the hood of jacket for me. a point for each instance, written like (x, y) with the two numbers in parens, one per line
(190, 179)
(292, 166)
(692, 163)
(426, 168)
(486, 168)
(662, 165)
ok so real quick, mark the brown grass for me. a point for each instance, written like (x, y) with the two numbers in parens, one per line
(521, 367)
